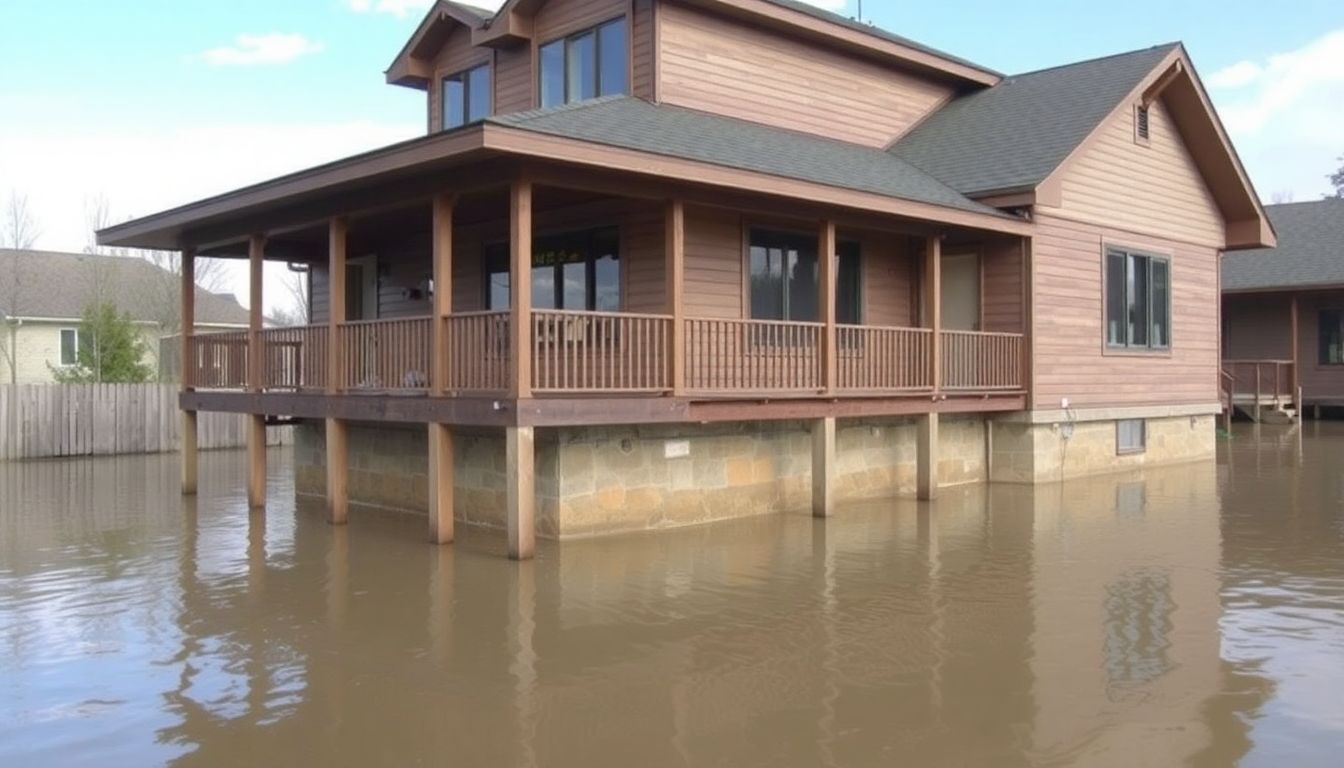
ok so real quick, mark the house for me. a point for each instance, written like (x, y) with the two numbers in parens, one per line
(43, 295)
(660, 262)
(1283, 313)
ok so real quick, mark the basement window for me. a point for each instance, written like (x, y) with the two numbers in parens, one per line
(1141, 133)
(1131, 436)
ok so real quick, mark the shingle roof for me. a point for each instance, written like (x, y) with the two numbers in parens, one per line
(662, 129)
(1310, 252)
(1013, 135)
(50, 284)
(484, 14)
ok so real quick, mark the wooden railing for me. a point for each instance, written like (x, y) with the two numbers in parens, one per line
(216, 361)
(577, 352)
(753, 356)
(294, 358)
(881, 359)
(1266, 380)
(385, 355)
(975, 360)
(478, 351)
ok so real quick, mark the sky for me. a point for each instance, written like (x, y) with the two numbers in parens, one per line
(149, 104)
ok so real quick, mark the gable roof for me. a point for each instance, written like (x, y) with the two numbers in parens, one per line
(1012, 136)
(624, 121)
(58, 286)
(408, 67)
(1310, 251)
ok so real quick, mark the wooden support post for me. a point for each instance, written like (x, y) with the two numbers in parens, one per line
(1295, 381)
(518, 470)
(823, 467)
(520, 286)
(440, 435)
(674, 271)
(933, 308)
(187, 372)
(256, 423)
(338, 432)
(826, 267)
(926, 451)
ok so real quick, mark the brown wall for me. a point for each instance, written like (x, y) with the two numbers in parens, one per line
(1259, 327)
(1001, 291)
(720, 65)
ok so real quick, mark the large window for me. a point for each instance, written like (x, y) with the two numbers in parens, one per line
(575, 271)
(1332, 337)
(585, 65)
(71, 341)
(1138, 300)
(466, 97)
(783, 268)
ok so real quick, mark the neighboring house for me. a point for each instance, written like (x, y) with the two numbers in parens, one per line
(1283, 310)
(667, 261)
(43, 296)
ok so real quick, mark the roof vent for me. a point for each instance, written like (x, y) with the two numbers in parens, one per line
(1141, 123)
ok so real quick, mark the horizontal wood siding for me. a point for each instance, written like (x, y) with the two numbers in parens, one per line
(403, 273)
(642, 262)
(513, 79)
(561, 17)
(713, 263)
(641, 49)
(1319, 382)
(720, 65)
(1257, 327)
(1068, 340)
(1155, 189)
(888, 275)
(456, 55)
(1001, 292)
(319, 305)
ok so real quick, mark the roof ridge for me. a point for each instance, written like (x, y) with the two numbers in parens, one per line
(1095, 59)
(1323, 200)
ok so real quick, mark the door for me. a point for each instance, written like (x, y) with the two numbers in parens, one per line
(361, 303)
(961, 292)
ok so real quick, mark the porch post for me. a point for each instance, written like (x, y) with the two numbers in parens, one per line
(256, 422)
(338, 437)
(187, 371)
(520, 286)
(826, 257)
(1295, 380)
(674, 255)
(440, 435)
(927, 429)
(823, 467)
(521, 492)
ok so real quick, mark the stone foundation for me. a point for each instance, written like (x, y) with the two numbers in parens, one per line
(1037, 453)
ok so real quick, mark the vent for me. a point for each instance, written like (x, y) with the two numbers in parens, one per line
(1141, 123)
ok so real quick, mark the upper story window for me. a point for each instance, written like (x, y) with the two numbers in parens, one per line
(585, 65)
(466, 97)
(1138, 300)
(783, 274)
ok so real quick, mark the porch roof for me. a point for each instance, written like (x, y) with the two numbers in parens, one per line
(621, 134)
(1310, 253)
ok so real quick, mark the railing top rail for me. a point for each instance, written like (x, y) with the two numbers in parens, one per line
(982, 334)
(902, 328)
(617, 315)
(749, 321)
(480, 313)
(1257, 362)
(387, 321)
(219, 335)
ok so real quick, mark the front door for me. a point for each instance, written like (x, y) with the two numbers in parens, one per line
(961, 292)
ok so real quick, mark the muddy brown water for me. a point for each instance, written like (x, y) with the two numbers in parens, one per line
(1179, 616)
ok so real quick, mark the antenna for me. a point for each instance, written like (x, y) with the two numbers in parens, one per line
(860, 10)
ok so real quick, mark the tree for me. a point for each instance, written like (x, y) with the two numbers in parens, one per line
(295, 311)
(19, 229)
(1337, 180)
(109, 349)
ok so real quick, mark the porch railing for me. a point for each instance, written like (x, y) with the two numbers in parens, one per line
(753, 356)
(1267, 381)
(882, 359)
(600, 352)
(976, 360)
(216, 361)
(478, 351)
(385, 355)
(294, 358)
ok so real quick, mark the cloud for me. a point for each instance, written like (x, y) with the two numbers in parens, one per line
(403, 8)
(272, 48)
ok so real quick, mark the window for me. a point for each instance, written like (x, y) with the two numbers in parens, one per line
(783, 269)
(585, 65)
(466, 97)
(1131, 436)
(1138, 300)
(71, 341)
(575, 271)
(1332, 337)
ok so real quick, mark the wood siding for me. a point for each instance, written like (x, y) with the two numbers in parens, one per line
(1001, 289)
(513, 80)
(1071, 359)
(1320, 383)
(456, 55)
(1259, 327)
(720, 65)
(888, 275)
(1155, 188)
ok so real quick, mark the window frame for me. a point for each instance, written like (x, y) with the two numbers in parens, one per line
(564, 42)
(60, 352)
(841, 244)
(1321, 356)
(1147, 348)
(464, 75)
(1121, 449)
(491, 252)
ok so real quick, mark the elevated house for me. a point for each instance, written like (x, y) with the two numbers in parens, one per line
(1283, 315)
(43, 295)
(658, 262)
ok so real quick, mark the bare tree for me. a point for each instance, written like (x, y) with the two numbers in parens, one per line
(295, 288)
(19, 228)
(1282, 196)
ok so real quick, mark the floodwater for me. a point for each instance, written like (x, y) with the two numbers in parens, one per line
(1182, 616)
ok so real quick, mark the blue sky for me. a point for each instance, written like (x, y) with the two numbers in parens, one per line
(153, 103)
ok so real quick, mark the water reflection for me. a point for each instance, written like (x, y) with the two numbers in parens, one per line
(1185, 615)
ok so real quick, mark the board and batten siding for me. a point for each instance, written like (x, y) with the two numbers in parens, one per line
(1071, 359)
(716, 64)
(1155, 189)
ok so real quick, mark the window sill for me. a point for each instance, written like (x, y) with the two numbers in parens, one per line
(1130, 451)
(1109, 351)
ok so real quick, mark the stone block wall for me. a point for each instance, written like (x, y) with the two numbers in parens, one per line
(1037, 453)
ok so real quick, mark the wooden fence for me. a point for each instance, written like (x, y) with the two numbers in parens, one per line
(39, 421)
